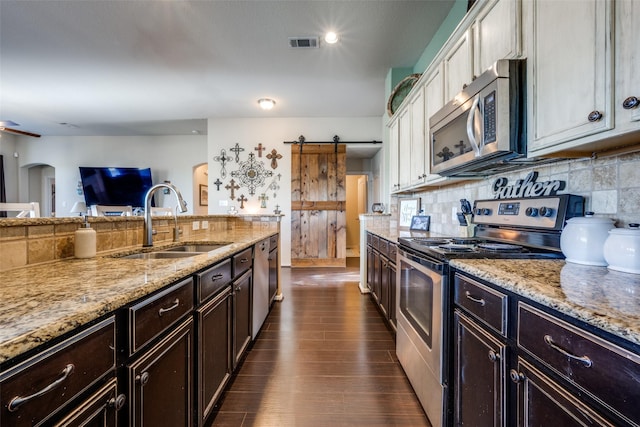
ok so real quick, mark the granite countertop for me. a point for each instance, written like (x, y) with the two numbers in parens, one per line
(45, 301)
(608, 300)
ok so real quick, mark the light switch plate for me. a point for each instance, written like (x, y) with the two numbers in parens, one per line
(195, 225)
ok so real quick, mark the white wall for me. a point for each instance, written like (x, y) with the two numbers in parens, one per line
(170, 158)
(248, 133)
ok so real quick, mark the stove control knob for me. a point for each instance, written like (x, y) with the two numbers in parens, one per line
(486, 211)
(531, 211)
(546, 212)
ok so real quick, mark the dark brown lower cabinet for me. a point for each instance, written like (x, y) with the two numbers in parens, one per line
(214, 351)
(242, 315)
(98, 410)
(543, 402)
(161, 381)
(479, 375)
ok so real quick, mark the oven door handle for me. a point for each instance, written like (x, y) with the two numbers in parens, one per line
(475, 138)
(431, 265)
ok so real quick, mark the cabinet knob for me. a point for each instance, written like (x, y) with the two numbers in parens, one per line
(516, 377)
(117, 402)
(142, 379)
(630, 102)
(493, 356)
(594, 116)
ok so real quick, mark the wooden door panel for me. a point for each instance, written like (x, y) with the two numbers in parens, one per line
(318, 203)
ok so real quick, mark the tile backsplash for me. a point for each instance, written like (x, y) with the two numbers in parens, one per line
(610, 186)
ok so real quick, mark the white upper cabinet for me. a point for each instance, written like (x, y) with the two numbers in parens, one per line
(569, 72)
(394, 179)
(497, 33)
(627, 52)
(458, 65)
(418, 168)
(433, 101)
(404, 147)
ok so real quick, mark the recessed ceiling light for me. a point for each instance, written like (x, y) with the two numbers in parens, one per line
(331, 37)
(266, 103)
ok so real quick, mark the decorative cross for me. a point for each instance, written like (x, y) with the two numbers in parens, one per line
(263, 200)
(274, 157)
(260, 149)
(242, 199)
(217, 183)
(222, 159)
(277, 210)
(460, 146)
(233, 187)
(237, 149)
(446, 154)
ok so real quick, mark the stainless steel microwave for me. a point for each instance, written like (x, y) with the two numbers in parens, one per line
(483, 129)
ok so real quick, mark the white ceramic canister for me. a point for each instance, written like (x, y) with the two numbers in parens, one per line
(582, 239)
(85, 242)
(622, 249)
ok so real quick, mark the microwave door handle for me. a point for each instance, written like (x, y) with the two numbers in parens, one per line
(470, 128)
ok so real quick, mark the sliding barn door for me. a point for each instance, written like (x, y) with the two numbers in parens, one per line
(318, 218)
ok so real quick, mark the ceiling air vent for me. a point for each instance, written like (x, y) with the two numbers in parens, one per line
(303, 42)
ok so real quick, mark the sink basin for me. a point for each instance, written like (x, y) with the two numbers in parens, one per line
(160, 255)
(197, 248)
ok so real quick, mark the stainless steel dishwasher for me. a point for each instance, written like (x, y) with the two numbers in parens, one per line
(260, 286)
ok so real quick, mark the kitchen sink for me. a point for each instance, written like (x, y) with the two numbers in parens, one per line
(160, 255)
(197, 248)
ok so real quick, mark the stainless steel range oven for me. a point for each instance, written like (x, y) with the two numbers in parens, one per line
(510, 228)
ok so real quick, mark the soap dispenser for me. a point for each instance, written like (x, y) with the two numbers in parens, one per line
(85, 241)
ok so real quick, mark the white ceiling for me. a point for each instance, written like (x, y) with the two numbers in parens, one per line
(152, 67)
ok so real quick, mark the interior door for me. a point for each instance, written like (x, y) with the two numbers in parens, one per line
(318, 203)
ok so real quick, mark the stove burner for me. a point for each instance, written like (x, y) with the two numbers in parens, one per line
(465, 240)
(431, 241)
(457, 247)
(500, 247)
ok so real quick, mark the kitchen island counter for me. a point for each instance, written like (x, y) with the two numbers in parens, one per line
(605, 299)
(45, 301)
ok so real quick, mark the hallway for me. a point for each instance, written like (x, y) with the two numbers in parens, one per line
(324, 357)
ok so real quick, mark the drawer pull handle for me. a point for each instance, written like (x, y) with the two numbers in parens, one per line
(480, 301)
(175, 305)
(18, 401)
(216, 277)
(244, 260)
(584, 359)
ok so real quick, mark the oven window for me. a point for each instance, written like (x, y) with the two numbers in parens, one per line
(416, 300)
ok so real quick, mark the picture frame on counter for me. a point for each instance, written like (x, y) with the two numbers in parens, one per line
(407, 209)
(420, 222)
(204, 195)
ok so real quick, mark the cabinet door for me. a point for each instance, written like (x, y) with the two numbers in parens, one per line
(98, 410)
(376, 290)
(433, 101)
(404, 147)
(384, 286)
(543, 402)
(241, 315)
(394, 178)
(416, 153)
(479, 376)
(627, 63)
(161, 381)
(273, 273)
(497, 33)
(392, 295)
(568, 71)
(458, 66)
(214, 351)
(370, 267)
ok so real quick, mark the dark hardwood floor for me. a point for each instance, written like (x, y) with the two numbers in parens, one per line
(324, 357)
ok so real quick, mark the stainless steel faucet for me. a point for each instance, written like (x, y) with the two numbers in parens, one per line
(148, 229)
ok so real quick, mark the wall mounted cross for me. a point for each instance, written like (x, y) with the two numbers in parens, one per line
(260, 149)
(242, 199)
(233, 187)
(222, 159)
(217, 183)
(274, 157)
(237, 149)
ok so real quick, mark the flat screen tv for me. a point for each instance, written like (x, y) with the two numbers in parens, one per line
(115, 186)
